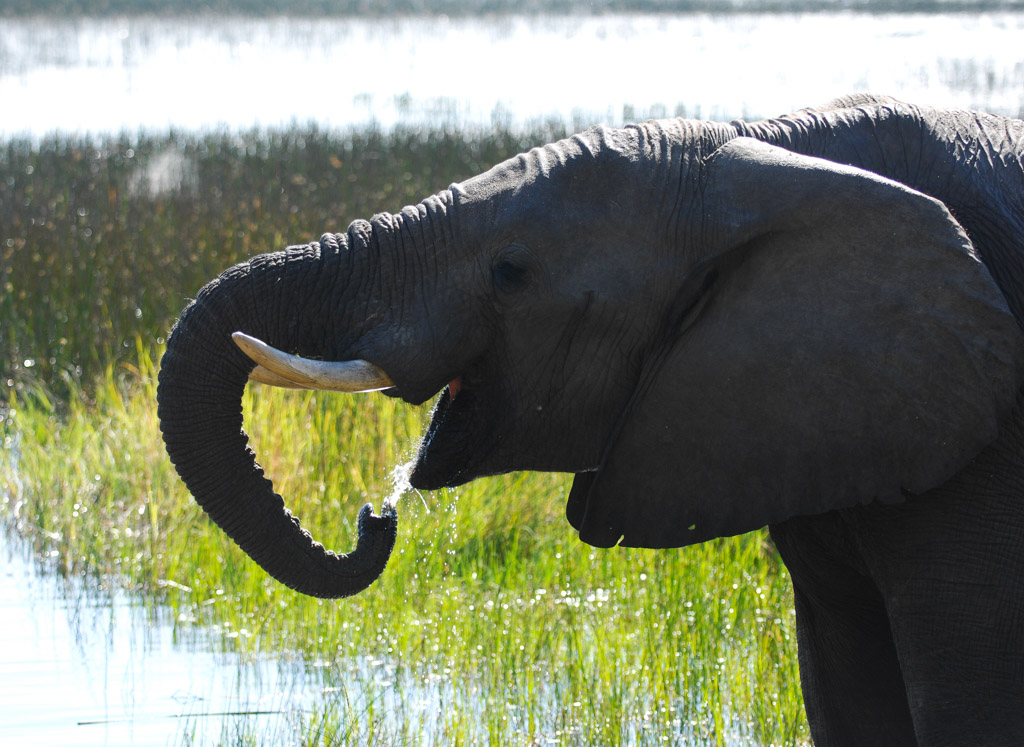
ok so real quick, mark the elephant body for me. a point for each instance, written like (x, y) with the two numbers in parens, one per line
(910, 617)
(811, 322)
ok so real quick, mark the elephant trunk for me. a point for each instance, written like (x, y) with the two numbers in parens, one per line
(202, 378)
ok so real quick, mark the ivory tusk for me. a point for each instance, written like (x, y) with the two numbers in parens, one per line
(304, 373)
(263, 375)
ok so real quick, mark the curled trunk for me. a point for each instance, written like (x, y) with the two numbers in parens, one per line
(202, 378)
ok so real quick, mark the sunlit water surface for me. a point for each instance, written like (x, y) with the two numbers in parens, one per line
(104, 75)
(84, 666)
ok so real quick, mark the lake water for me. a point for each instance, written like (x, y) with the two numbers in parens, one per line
(89, 666)
(81, 666)
(104, 75)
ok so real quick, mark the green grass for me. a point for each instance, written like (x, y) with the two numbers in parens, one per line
(491, 614)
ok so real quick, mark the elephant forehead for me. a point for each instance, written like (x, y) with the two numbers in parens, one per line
(482, 187)
(541, 164)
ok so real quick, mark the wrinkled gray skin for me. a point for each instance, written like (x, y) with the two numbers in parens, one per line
(716, 327)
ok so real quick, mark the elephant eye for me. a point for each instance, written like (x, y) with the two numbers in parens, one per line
(510, 276)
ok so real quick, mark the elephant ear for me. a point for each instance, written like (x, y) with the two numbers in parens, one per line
(852, 348)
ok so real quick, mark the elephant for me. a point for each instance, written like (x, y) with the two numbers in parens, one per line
(810, 322)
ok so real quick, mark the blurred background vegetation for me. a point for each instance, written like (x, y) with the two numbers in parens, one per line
(105, 240)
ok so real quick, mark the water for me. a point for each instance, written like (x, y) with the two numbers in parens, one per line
(90, 667)
(104, 75)
(85, 666)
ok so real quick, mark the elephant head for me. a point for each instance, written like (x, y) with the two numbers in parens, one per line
(712, 333)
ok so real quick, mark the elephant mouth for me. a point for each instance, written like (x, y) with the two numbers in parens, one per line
(458, 437)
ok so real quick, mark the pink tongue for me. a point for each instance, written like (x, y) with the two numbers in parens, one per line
(453, 387)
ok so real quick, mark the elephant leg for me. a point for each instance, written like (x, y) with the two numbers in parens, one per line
(950, 565)
(853, 689)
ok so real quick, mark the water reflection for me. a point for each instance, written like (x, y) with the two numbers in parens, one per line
(103, 75)
(88, 666)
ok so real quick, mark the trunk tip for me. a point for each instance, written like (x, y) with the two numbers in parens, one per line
(385, 523)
